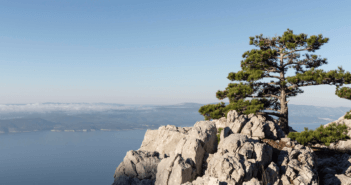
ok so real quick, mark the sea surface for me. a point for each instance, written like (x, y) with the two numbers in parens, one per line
(64, 158)
(69, 158)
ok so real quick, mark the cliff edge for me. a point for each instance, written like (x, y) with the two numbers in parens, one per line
(250, 150)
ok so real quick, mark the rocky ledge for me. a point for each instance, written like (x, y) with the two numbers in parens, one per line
(252, 150)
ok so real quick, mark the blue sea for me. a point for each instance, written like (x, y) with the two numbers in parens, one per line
(68, 158)
(64, 158)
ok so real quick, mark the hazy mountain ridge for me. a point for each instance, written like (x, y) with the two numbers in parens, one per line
(106, 117)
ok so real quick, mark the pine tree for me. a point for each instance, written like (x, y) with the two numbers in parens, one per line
(275, 55)
(344, 92)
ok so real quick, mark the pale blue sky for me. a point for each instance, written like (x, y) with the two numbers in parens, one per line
(153, 52)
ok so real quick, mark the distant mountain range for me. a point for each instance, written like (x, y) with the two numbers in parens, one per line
(106, 117)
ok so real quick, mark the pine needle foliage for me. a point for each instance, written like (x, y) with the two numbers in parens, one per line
(348, 115)
(344, 92)
(331, 133)
(275, 55)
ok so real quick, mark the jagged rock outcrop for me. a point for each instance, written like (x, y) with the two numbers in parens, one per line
(165, 139)
(191, 149)
(220, 123)
(175, 170)
(251, 125)
(138, 166)
(238, 159)
(298, 165)
(192, 156)
(182, 149)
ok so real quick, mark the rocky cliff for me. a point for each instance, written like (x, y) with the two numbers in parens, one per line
(252, 150)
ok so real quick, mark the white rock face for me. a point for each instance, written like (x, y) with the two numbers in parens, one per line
(190, 148)
(256, 127)
(344, 145)
(136, 166)
(186, 146)
(298, 165)
(174, 170)
(192, 156)
(164, 140)
(238, 159)
(205, 131)
(220, 123)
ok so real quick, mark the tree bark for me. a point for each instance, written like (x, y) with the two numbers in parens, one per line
(283, 119)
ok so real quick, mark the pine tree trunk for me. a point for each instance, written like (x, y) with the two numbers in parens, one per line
(283, 120)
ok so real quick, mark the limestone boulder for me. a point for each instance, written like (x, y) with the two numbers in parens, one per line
(232, 143)
(254, 126)
(236, 122)
(190, 149)
(263, 154)
(227, 168)
(272, 130)
(164, 140)
(260, 127)
(238, 159)
(206, 132)
(232, 116)
(248, 148)
(137, 166)
(299, 165)
(189, 144)
(220, 123)
(343, 145)
(175, 170)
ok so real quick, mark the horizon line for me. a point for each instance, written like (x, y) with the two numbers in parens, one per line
(124, 104)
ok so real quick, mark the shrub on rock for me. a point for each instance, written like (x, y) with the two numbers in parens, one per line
(348, 115)
(331, 133)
